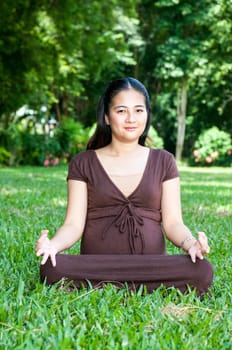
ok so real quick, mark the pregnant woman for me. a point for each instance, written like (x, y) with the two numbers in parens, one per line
(123, 197)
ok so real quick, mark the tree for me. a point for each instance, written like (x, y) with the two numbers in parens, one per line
(19, 51)
(181, 51)
(51, 51)
(185, 52)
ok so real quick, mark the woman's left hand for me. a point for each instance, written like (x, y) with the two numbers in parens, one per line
(199, 248)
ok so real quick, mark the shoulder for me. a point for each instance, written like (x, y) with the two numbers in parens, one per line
(161, 154)
(82, 156)
(165, 164)
(80, 165)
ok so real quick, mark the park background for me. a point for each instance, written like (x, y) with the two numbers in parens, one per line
(56, 57)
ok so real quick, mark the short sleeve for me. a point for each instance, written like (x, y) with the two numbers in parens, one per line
(170, 167)
(77, 168)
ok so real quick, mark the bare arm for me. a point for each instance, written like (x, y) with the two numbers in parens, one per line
(173, 224)
(72, 229)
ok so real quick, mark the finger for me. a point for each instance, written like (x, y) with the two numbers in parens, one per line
(43, 233)
(42, 237)
(202, 237)
(53, 259)
(192, 256)
(45, 258)
(205, 250)
(199, 254)
(40, 243)
(39, 252)
(203, 241)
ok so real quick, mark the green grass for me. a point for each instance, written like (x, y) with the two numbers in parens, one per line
(33, 316)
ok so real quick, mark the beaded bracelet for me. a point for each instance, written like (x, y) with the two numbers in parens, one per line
(188, 238)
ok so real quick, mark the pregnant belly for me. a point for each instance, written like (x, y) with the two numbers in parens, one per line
(102, 238)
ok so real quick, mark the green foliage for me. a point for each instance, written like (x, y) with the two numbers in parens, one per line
(72, 136)
(188, 39)
(33, 316)
(11, 140)
(62, 53)
(153, 139)
(213, 147)
(48, 49)
(4, 156)
(34, 146)
(37, 148)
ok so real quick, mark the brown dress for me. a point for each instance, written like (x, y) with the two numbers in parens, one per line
(123, 239)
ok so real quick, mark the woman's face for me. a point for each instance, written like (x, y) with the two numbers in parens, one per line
(127, 115)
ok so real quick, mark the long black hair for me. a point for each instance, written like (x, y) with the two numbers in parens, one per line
(102, 135)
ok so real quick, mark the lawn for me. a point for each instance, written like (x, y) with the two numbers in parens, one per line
(33, 316)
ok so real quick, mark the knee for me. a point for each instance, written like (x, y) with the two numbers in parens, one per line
(203, 276)
(48, 273)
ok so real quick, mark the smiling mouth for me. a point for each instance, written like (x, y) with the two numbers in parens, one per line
(130, 129)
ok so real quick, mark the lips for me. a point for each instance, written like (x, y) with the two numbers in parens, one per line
(130, 129)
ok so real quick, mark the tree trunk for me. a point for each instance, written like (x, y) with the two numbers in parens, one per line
(64, 104)
(181, 117)
(136, 70)
(57, 112)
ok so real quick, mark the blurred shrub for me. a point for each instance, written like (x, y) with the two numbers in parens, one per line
(213, 147)
(20, 145)
(11, 141)
(153, 139)
(5, 156)
(71, 136)
(38, 148)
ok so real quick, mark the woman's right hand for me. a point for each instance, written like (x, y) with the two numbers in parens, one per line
(45, 248)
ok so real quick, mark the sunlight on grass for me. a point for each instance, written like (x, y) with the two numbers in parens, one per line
(13, 191)
(181, 311)
(58, 202)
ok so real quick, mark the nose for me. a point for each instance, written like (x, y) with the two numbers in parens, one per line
(130, 116)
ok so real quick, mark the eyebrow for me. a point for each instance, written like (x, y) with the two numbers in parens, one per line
(122, 106)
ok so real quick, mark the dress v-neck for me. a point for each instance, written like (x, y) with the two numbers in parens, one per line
(112, 182)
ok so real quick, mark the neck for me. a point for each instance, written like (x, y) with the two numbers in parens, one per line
(123, 149)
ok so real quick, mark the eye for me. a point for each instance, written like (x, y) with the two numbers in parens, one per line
(139, 110)
(120, 111)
